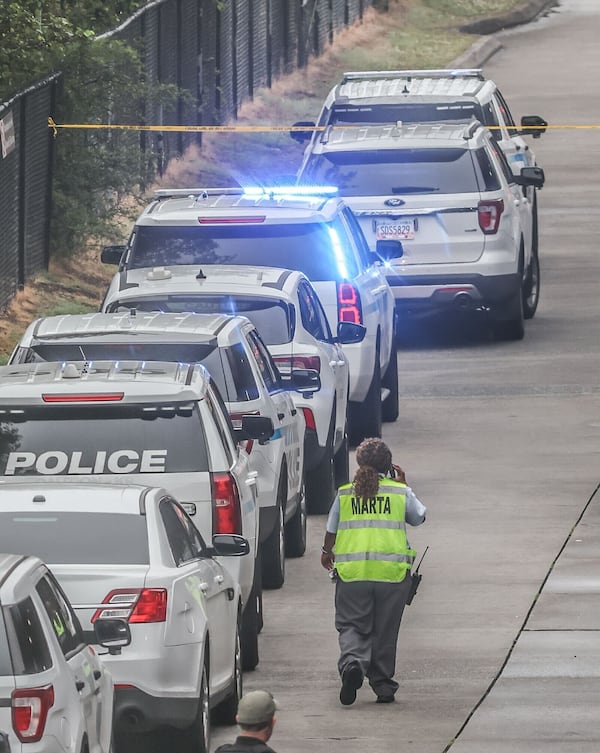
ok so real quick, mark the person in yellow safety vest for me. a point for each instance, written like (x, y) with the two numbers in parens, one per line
(365, 541)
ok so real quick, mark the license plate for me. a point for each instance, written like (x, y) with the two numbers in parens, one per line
(395, 231)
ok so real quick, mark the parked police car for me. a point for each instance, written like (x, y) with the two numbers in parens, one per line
(281, 227)
(132, 422)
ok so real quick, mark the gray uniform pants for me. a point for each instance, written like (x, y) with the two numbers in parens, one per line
(367, 618)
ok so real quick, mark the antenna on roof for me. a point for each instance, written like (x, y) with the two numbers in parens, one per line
(200, 275)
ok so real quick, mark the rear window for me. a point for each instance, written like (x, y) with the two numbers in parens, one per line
(5, 663)
(273, 318)
(307, 247)
(76, 538)
(407, 112)
(218, 361)
(395, 171)
(104, 440)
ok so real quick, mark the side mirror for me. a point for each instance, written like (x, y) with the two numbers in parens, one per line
(112, 634)
(387, 250)
(349, 332)
(230, 545)
(112, 254)
(533, 125)
(302, 136)
(531, 176)
(256, 427)
(305, 380)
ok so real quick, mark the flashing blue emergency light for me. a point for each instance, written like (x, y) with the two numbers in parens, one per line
(288, 192)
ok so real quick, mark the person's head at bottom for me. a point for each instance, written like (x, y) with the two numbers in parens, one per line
(373, 457)
(256, 714)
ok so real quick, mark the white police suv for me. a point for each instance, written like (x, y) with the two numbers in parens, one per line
(440, 204)
(280, 227)
(132, 553)
(285, 308)
(137, 422)
(56, 694)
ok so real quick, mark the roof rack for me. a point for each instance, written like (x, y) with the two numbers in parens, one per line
(434, 73)
(166, 193)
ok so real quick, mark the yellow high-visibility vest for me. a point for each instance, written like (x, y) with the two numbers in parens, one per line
(371, 541)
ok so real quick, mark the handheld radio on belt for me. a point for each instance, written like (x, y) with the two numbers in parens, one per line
(416, 580)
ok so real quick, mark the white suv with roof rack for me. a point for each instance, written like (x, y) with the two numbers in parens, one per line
(421, 96)
(439, 203)
(147, 423)
(285, 309)
(284, 227)
(241, 367)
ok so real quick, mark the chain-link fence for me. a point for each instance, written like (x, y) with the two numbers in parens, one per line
(26, 164)
(220, 51)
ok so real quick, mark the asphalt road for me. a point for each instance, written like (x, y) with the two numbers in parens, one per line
(500, 440)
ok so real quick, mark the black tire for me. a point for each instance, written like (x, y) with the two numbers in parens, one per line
(390, 406)
(196, 738)
(365, 418)
(273, 549)
(510, 322)
(341, 462)
(226, 711)
(295, 530)
(251, 619)
(531, 288)
(320, 480)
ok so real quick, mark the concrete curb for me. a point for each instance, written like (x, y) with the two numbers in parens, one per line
(483, 49)
(521, 15)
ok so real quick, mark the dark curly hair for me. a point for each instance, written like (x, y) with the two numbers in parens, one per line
(373, 457)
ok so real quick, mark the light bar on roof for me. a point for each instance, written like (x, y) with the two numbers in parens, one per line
(288, 192)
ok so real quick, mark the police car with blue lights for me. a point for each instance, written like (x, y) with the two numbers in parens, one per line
(309, 229)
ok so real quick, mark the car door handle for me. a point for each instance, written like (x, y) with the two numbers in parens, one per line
(341, 363)
(281, 416)
(204, 587)
(333, 363)
(380, 289)
(79, 685)
(97, 674)
(219, 578)
(293, 411)
(251, 479)
(517, 203)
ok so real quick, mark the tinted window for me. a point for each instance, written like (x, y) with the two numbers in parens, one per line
(29, 649)
(184, 540)
(491, 181)
(504, 166)
(243, 376)
(313, 317)
(66, 538)
(104, 440)
(395, 171)
(413, 112)
(267, 368)
(5, 663)
(62, 618)
(272, 318)
(306, 247)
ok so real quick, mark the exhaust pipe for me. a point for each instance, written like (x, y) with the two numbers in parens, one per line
(463, 301)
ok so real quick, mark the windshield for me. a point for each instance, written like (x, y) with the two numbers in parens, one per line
(64, 537)
(274, 319)
(306, 247)
(103, 440)
(395, 171)
(405, 112)
(219, 362)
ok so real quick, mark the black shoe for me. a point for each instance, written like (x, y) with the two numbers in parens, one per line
(385, 699)
(352, 679)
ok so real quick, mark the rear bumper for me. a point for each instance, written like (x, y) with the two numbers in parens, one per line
(419, 294)
(136, 711)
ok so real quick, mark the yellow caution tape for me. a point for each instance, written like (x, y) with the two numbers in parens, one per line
(244, 128)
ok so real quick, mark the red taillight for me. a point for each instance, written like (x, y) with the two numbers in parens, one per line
(29, 710)
(134, 605)
(227, 513)
(309, 418)
(488, 214)
(99, 397)
(285, 364)
(349, 306)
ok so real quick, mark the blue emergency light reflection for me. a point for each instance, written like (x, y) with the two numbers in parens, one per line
(338, 252)
(287, 192)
